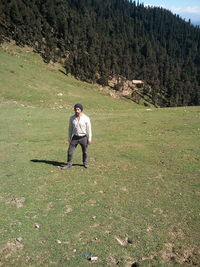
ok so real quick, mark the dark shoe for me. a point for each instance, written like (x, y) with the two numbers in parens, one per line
(86, 165)
(66, 167)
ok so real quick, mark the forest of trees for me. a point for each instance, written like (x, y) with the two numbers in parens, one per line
(96, 39)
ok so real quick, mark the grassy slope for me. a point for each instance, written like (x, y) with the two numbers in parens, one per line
(143, 184)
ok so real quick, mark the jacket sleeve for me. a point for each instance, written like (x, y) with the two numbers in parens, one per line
(89, 130)
(70, 129)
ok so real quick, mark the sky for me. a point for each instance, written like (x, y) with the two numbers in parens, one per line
(187, 9)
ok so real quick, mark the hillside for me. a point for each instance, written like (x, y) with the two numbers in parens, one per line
(96, 40)
(48, 86)
(137, 204)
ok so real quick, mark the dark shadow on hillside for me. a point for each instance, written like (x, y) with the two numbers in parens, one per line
(54, 163)
(62, 72)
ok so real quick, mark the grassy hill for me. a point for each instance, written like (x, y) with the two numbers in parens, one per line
(138, 203)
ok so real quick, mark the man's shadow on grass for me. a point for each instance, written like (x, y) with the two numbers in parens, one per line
(54, 163)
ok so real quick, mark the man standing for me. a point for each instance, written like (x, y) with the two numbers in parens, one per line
(80, 132)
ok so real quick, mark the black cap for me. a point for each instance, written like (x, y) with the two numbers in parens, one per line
(78, 106)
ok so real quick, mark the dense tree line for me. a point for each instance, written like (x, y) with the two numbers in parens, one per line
(96, 39)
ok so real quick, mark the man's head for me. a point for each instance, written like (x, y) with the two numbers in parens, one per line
(78, 108)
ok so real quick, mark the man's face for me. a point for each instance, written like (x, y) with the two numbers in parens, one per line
(77, 111)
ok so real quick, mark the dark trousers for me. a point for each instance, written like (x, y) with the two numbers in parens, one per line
(83, 141)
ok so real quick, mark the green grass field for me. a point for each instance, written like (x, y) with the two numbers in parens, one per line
(137, 204)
